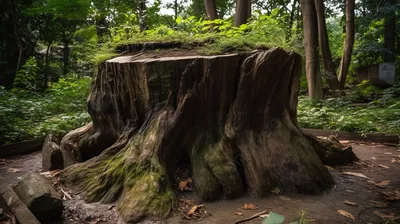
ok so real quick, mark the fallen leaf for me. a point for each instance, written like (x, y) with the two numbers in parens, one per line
(184, 185)
(383, 184)
(13, 170)
(373, 158)
(249, 206)
(383, 166)
(356, 174)
(393, 161)
(391, 216)
(94, 222)
(392, 196)
(350, 203)
(379, 204)
(194, 209)
(346, 214)
(238, 213)
(329, 167)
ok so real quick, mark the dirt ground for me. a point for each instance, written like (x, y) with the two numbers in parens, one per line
(377, 163)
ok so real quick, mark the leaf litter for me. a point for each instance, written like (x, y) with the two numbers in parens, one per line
(346, 214)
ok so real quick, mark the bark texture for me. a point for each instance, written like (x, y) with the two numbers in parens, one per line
(211, 9)
(52, 158)
(243, 12)
(232, 116)
(349, 42)
(310, 28)
(329, 67)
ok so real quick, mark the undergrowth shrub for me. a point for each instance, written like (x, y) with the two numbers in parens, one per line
(26, 114)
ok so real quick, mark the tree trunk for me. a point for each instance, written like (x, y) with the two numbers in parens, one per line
(65, 57)
(211, 9)
(329, 67)
(142, 15)
(232, 116)
(291, 20)
(310, 28)
(243, 12)
(101, 28)
(390, 35)
(349, 42)
(46, 62)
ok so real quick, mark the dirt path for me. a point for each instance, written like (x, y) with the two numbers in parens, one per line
(377, 162)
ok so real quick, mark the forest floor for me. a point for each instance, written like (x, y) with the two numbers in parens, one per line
(374, 194)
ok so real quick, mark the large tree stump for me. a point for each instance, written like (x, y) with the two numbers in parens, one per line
(232, 116)
(39, 196)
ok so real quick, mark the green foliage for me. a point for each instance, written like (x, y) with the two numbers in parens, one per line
(26, 76)
(219, 35)
(26, 114)
(380, 111)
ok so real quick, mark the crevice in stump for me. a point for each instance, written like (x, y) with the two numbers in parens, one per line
(233, 115)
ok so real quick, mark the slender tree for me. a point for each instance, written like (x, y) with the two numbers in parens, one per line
(311, 49)
(142, 15)
(390, 33)
(329, 67)
(243, 11)
(211, 9)
(349, 42)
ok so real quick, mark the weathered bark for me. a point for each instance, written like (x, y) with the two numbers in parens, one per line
(211, 9)
(349, 42)
(243, 12)
(52, 158)
(329, 67)
(331, 151)
(233, 116)
(39, 196)
(310, 28)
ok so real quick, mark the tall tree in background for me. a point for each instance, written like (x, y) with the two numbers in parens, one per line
(243, 11)
(142, 15)
(313, 72)
(329, 67)
(211, 9)
(390, 32)
(349, 42)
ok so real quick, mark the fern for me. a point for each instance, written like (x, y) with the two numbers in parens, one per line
(26, 76)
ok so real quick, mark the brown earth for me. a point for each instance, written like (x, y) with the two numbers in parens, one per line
(374, 160)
